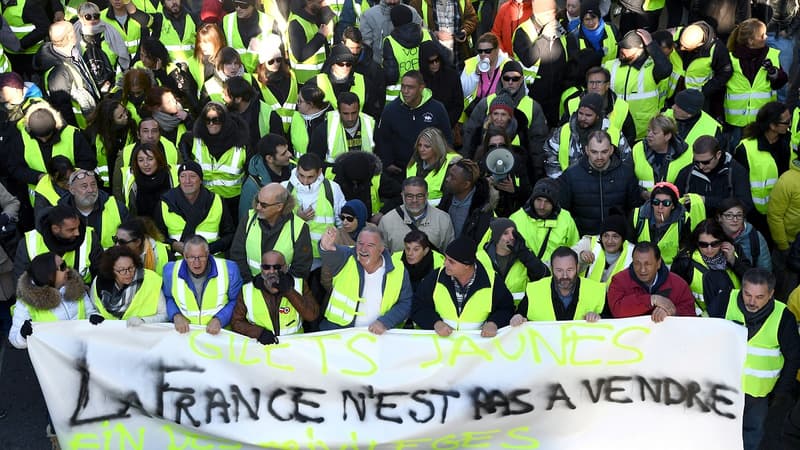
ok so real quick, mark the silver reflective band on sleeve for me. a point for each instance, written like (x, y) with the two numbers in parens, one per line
(768, 374)
(518, 295)
(300, 66)
(759, 351)
(23, 28)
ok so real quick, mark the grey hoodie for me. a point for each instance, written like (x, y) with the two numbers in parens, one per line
(376, 25)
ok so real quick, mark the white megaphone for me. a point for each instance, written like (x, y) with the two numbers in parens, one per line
(499, 162)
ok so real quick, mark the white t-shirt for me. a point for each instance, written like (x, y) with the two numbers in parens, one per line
(370, 309)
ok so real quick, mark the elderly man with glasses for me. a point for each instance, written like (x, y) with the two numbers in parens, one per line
(201, 289)
(103, 212)
(272, 225)
(273, 304)
(416, 214)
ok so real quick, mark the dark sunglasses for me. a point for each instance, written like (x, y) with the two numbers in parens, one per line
(63, 266)
(271, 266)
(277, 60)
(484, 51)
(656, 202)
(347, 218)
(436, 60)
(514, 79)
(95, 16)
(213, 120)
(119, 241)
(243, 5)
(344, 64)
(715, 244)
(704, 163)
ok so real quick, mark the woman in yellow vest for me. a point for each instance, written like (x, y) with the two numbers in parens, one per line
(663, 220)
(311, 109)
(140, 186)
(173, 120)
(54, 185)
(141, 236)
(661, 155)
(227, 64)
(515, 188)
(136, 83)
(418, 257)
(208, 42)
(766, 154)
(125, 290)
(40, 297)
(275, 80)
(601, 257)
(431, 160)
(710, 251)
(113, 128)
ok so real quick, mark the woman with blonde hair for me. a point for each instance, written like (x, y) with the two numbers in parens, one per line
(432, 156)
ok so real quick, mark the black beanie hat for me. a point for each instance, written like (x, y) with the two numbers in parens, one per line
(590, 7)
(592, 101)
(191, 166)
(462, 250)
(511, 66)
(617, 224)
(690, 100)
(401, 16)
(42, 269)
(340, 53)
(499, 226)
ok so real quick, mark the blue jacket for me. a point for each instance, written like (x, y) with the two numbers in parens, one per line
(398, 313)
(234, 287)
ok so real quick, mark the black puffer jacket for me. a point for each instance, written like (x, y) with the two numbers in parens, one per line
(588, 194)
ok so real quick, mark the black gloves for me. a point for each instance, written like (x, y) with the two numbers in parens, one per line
(772, 71)
(26, 329)
(267, 338)
(4, 220)
(285, 284)
(96, 319)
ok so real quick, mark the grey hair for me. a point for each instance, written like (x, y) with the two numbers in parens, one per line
(196, 240)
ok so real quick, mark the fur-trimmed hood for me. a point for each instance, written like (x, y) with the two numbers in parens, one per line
(48, 297)
(44, 105)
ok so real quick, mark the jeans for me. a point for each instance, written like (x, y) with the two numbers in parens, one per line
(786, 46)
(755, 411)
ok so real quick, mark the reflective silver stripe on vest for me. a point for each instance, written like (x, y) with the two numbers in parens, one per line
(768, 374)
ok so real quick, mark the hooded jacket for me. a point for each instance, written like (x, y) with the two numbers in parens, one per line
(629, 297)
(400, 125)
(355, 174)
(409, 36)
(62, 86)
(445, 85)
(308, 195)
(589, 194)
(235, 132)
(373, 73)
(728, 179)
(376, 24)
(111, 36)
(63, 303)
(783, 214)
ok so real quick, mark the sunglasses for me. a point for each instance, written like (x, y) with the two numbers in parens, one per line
(95, 16)
(119, 241)
(344, 64)
(484, 51)
(513, 79)
(714, 244)
(656, 202)
(277, 60)
(271, 266)
(706, 162)
(63, 266)
(213, 120)
(346, 218)
(436, 60)
(242, 5)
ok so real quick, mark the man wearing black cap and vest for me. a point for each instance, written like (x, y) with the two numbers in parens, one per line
(635, 75)
(568, 142)
(191, 209)
(512, 84)
(338, 76)
(465, 294)
(692, 121)
(603, 256)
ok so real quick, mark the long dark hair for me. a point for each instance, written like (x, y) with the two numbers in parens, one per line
(767, 115)
(707, 226)
(101, 122)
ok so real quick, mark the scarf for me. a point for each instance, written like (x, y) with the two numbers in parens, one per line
(716, 262)
(753, 321)
(167, 122)
(594, 37)
(117, 299)
(417, 272)
(312, 116)
(149, 190)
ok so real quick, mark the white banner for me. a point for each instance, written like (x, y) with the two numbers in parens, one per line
(615, 384)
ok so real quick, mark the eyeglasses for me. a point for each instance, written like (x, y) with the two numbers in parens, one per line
(436, 60)
(596, 82)
(277, 60)
(95, 16)
(415, 196)
(196, 258)
(714, 244)
(63, 266)
(125, 270)
(656, 202)
(242, 5)
(511, 78)
(347, 218)
(344, 64)
(484, 51)
(265, 205)
(120, 241)
(271, 266)
(706, 162)
(732, 216)
(216, 120)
